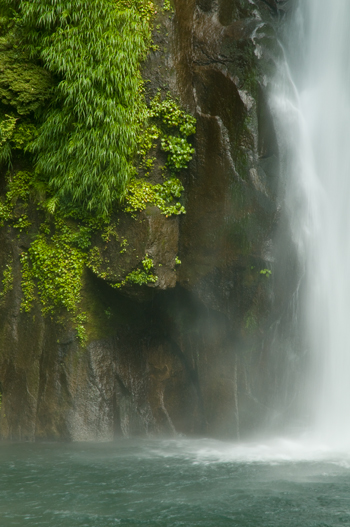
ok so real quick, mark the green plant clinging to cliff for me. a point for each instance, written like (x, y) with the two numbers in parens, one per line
(140, 276)
(7, 281)
(7, 127)
(15, 134)
(174, 127)
(86, 143)
(169, 126)
(167, 6)
(141, 193)
(53, 265)
(57, 268)
(266, 272)
(25, 87)
(52, 269)
(19, 186)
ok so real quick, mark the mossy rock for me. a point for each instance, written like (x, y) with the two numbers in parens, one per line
(24, 86)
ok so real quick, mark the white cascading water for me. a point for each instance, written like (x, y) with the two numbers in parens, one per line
(312, 108)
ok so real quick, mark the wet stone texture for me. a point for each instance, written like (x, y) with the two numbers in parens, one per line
(202, 351)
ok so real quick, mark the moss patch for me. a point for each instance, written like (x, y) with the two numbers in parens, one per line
(7, 281)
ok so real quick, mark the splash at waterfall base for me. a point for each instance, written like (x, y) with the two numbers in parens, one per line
(198, 483)
(208, 348)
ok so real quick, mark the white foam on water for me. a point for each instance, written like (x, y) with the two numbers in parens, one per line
(279, 450)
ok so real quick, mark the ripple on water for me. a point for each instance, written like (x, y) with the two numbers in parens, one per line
(174, 483)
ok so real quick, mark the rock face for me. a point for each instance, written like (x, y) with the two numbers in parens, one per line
(202, 350)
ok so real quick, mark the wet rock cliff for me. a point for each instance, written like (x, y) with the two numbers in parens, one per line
(200, 350)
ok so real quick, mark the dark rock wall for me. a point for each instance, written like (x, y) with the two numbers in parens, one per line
(204, 350)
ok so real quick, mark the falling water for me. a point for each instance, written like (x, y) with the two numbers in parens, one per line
(313, 108)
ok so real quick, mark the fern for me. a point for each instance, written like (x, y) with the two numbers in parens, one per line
(86, 144)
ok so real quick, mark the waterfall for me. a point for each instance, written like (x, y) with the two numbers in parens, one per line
(311, 102)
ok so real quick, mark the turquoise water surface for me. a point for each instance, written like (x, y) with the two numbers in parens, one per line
(173, 483)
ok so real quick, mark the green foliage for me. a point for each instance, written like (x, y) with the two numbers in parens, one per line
(147, 142)
(27, 284)
(19, 186)
(5, 213)
(80, 238)
(167, 6)
(22, 223)
(140, 276)
(172, 116)
(123, 244)
(23, 135)
(7, 281)
(15, 133)
(52, 272)
(167, 126)
(7, 127)
(94, 262)
(145, 8)
(141, 193)
(24, 86)
(86, 144)
(57, 268)
(109, 232)
(80, 322)
(266, 272)
(74, 100)
(95, 122)
(169, 123)
(180, 152)
(177, 260)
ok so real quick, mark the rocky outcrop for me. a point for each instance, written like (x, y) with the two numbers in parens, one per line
(199, 351)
